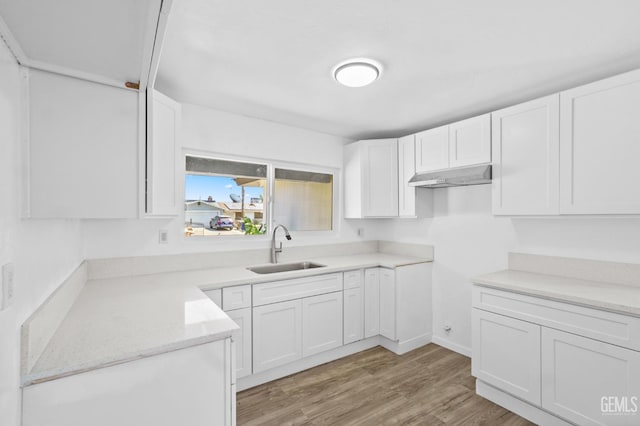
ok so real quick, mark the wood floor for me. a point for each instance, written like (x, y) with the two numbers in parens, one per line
(428, 386)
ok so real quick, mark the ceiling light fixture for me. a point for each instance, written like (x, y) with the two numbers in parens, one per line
(357, 72)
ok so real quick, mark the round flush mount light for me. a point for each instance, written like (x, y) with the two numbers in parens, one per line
(357, 72)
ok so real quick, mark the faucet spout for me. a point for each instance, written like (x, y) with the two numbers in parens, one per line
(274, 250)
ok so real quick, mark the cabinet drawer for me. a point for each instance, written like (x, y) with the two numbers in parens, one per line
(605, 326)
(352, 279)
(280, 291)
(237, 297)
(215, 295)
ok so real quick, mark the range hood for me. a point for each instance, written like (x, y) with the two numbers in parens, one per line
(460, 176)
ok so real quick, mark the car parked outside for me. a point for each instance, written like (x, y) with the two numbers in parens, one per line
(221, 222)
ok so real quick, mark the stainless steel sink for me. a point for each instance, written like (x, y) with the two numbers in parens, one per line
(284, 267)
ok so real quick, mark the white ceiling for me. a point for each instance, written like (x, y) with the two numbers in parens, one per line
(101, 38)
(443, 60)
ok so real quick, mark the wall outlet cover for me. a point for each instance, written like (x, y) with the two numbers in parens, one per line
(163, 236)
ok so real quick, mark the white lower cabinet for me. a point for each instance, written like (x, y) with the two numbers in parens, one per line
(533, 351)
(589, 382)
(277, 334)
(234, 298)
(398, 305)
(371, 302)
(387, 303)
(506, 354)
(321, 323)
(353, 315)
(325, 312)
(242, 339)
(191, 386)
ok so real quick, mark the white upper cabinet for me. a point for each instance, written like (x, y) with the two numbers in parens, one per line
(163, 126)
(463, 143)
(600, 147)
(371, 178)
(525, 146)
(83, 149)
(470, 141)
(406, 170)
(432, 149)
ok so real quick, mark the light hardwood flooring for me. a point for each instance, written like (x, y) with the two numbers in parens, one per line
(428, 386)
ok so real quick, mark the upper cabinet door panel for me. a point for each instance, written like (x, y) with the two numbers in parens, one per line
(380, 178)
(525, 146)
(600, 147)
(470, 141)
(163, 126)
(406, 170)
(432, 149)
(83, 149)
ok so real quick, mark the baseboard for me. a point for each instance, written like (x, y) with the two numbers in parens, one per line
(306, 363)
(463, 350)
(521, 408)
(401, 348)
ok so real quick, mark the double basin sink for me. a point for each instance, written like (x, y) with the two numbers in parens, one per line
(284, 267)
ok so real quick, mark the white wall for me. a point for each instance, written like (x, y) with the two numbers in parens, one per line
(469, 241)
(210, 131)
(44, 252)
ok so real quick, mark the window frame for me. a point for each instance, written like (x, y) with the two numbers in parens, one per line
(269, 195)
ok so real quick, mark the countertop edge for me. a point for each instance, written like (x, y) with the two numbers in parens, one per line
(72, 370)
(556, 296)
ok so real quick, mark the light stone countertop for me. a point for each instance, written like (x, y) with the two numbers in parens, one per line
(116, 320)
(613, 297)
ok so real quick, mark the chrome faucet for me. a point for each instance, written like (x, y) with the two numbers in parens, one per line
(274, 250)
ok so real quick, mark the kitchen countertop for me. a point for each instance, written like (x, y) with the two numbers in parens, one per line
(117, 320)
(613, 297)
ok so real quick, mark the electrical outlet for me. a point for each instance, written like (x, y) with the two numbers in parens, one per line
(447, 327)
(360, 232)
(7, 285)
(163, 236)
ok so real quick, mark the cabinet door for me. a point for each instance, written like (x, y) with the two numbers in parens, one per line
(380, 178)
(600, 147)
(506, 354)
(470, 141)
(242, 339)
(387, 304)
(371, 302)
(406, 170)
(526, 142)
(321, 323)
(83, 149)
(353, 315)
(190, 386)
(582, 379)
(432, 149)
(277, 334)
(413, 302)
(163, 125)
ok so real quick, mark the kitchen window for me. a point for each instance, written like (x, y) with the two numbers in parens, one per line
(303, 200)
(224, 197)
(232, 198)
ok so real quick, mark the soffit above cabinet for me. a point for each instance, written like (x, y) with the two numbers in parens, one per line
(109, 40)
